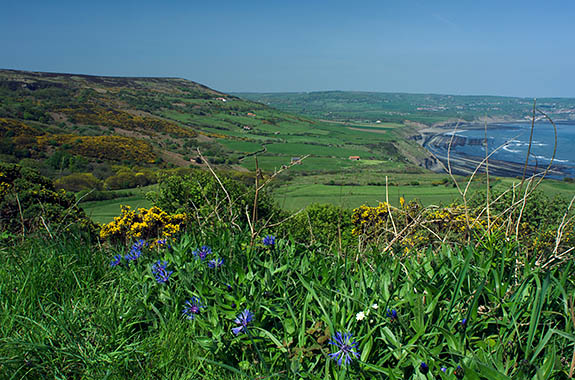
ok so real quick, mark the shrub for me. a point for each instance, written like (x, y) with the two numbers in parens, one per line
(29, 202)
(78, 181)
(199, 194)
(90, 196)
(117, 148)
(152, 223)
(413, 226)
(320, 223)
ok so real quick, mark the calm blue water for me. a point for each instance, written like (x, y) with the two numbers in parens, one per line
(514, 139)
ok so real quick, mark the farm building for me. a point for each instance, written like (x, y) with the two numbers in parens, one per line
(296, 160)
(354, 158)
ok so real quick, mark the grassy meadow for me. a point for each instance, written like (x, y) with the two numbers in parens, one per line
(225, 308)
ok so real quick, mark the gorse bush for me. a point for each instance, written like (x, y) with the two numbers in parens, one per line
(118, 148)
(124, 120)
(152, 223)
(78, 182)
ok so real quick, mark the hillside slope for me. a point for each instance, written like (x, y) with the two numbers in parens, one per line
(68, 123)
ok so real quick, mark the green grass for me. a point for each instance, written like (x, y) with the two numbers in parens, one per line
(105, 211)
(298, 149)
(66, 313)
(310, 164)
(295, 197)
(241, 146)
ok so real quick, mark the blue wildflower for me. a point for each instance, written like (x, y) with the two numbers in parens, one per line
(242, 321)
(163, 243)
(159, 270)
(116, 261)
(444, 369)
(347, 348)
(136, 250)
(392, 314)
(424, 368)
(462, 325)
(203, 252)
(215, 263)
(269, 241)
(192, 307)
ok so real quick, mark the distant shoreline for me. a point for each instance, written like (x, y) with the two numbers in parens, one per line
(463, 164)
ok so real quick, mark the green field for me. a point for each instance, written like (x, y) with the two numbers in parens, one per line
(241, 146)
(310, 164)
(298, 149)
(299, 196)
(358, 106)
(105, 211)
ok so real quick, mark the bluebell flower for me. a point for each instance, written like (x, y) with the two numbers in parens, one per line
(444, 369)
(269, 241)
(243, 320)
(215, 263)
(192, 307)
(424, 368)
(392, 314)
(159, 270)
(116, 261)
(347, 348)
(203, 252)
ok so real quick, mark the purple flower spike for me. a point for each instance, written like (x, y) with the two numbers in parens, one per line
(242, 321)
(159, 270)
(347, 348)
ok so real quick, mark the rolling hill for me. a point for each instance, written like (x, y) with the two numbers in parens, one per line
(68, 123)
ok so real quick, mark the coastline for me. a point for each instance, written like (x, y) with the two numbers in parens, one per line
(463, 164)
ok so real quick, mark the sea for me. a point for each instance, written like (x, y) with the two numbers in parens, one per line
(512, 142)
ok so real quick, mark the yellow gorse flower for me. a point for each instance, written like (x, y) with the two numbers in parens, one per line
(143, 224)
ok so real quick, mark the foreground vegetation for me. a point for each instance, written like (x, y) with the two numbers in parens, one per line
(197, 287)
(67, 313)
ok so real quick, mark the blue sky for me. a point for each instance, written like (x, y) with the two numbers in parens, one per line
(517, 48)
